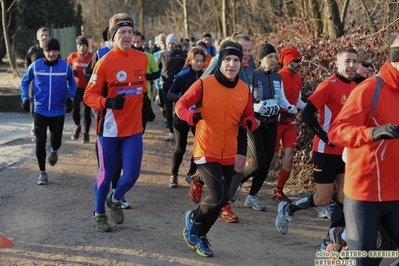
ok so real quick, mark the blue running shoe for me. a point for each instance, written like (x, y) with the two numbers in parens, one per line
(202, 247)
(190, 231)
(283, 218)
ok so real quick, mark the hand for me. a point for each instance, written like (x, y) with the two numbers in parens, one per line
(68, 105)
(116, 103)
(388, 131)
(26, 105)
(197, 117)
(292, 110)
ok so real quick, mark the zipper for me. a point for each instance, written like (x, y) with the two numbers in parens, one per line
(50, 88)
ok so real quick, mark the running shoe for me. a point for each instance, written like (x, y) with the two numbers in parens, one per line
(326, 241)
(228, 215)
(42, 180)
(237, 193)
(171, 137)
(336, 237)
(100, 223)
(190, 178)
(124, 203)
(279, 195)
(195, 191)
(53, 158)
(76, 134)
(202, 247)
(283, 218)
(117, 215)
(324, 212)
(190, 231)
(254, 203)
(173, 182)
(86, 138)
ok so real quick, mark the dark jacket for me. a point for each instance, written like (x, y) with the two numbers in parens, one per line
(182, 82)
(170, 64)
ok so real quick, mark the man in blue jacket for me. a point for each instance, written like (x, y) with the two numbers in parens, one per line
(54, 86)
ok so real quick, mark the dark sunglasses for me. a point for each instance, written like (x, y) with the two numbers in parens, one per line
(365, 64)
(297, 60)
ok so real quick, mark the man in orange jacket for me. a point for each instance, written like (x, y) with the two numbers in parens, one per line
(368, 125)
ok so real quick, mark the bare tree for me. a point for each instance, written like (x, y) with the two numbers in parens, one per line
(11, 56)
(183, 4)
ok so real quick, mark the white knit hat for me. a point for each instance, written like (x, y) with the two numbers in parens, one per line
(171, 39)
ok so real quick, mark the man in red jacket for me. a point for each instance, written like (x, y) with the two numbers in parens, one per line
(368, 125)
(79, 61)
(286, 131)
(328, 167)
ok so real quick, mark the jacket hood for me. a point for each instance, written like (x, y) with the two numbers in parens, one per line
(390, 75)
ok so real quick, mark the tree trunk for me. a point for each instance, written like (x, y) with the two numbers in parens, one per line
(140, 7)
(316, 16)
(335, 21)
(234, 15)
(224, 27)
(11, 56)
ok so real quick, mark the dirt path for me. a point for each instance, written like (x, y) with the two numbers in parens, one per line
(51, 225)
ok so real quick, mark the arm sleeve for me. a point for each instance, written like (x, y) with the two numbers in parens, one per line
(89, 69)
(25, 81)
(71, 83)
(300, 104)
(283, 102)
(310, 119)
(92, 95)
(174, 92)
(28, 60)
(152, 76)
(248, 114)
(154, 69)
(192, 96)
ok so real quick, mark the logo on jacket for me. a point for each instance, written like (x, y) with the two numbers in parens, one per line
(121, 76)
(343, 99)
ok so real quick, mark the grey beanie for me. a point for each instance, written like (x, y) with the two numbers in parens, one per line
(171, 39)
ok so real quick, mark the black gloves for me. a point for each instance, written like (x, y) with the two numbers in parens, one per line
(26, 105)
(68, 105)
(116, 103)
(388, 131)
(248, 123)
(197, 117)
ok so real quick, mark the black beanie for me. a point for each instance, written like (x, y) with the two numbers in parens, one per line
(265, 49)
(82, 40)
(229, 51)
(51, 44)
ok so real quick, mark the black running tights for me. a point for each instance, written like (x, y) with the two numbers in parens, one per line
(56, 126)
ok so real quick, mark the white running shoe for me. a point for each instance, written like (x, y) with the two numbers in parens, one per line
(283, 218)
(171, 137)
(254, 203)
(124, 203)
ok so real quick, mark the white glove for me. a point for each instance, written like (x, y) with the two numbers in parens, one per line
(292, 110)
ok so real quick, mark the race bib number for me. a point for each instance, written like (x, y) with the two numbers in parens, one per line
(268, 108)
